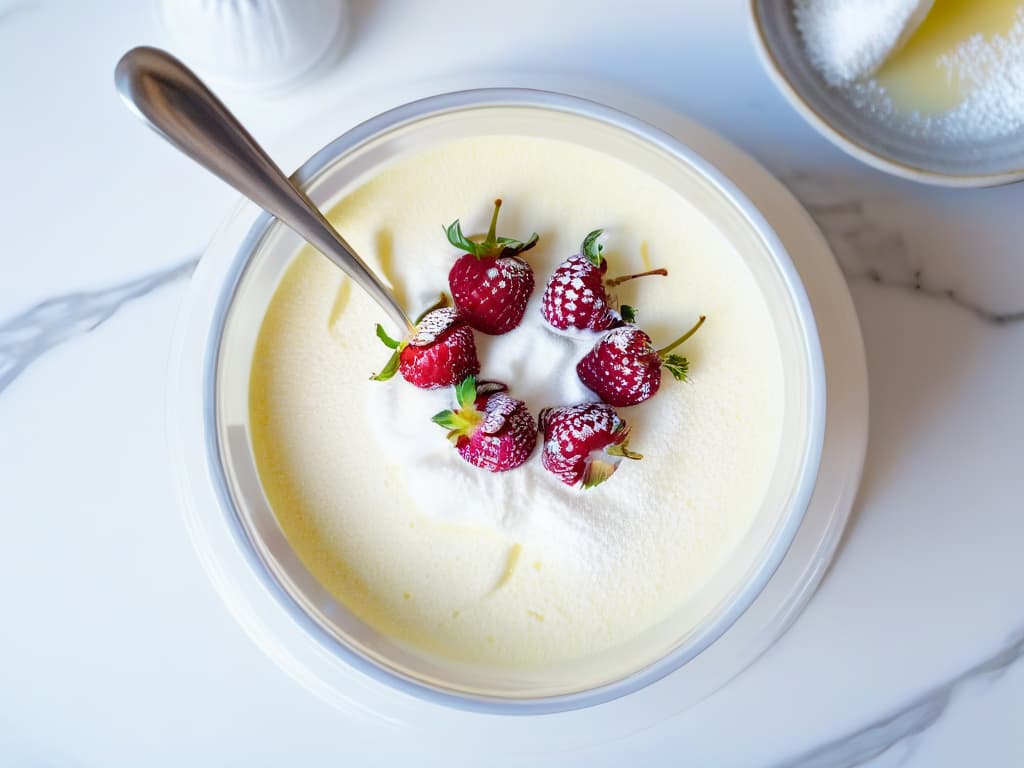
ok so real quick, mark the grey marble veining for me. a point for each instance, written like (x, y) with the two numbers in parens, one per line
(916, 284)
(870, 251)
(903, 726)
(27, 336)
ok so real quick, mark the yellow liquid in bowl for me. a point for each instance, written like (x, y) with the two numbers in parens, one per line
(917, 78)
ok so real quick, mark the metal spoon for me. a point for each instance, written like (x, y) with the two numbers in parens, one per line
(174, 101)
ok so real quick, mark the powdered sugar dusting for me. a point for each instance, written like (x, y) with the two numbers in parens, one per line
(987, 70)
(623, 368)
(504, 439)
(848, 40)
(499, 407)
(573, 434)
(991, 73)
(433, 325)
(492, 293)
(574, 297)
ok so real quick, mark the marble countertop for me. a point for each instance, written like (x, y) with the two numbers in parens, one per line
(116, 651)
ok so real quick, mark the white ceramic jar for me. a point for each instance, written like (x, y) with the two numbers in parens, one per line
(255, 43)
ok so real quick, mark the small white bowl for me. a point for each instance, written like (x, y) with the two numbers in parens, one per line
(252, 251)
(863, 133)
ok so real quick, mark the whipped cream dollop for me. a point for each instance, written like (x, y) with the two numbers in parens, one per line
(539, 366)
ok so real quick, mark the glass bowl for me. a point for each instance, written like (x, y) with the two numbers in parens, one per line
(259, 249)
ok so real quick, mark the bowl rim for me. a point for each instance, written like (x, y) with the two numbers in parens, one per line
(851, 145)
(808, 469)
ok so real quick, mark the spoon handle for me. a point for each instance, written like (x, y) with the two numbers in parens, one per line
(174, 101)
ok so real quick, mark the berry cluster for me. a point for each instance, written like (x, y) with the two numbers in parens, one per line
(490, 285)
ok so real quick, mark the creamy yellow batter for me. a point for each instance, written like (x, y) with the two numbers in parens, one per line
(514, 568)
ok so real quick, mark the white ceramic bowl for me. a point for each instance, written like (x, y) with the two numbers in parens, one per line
(861, 132)
(259, 249)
